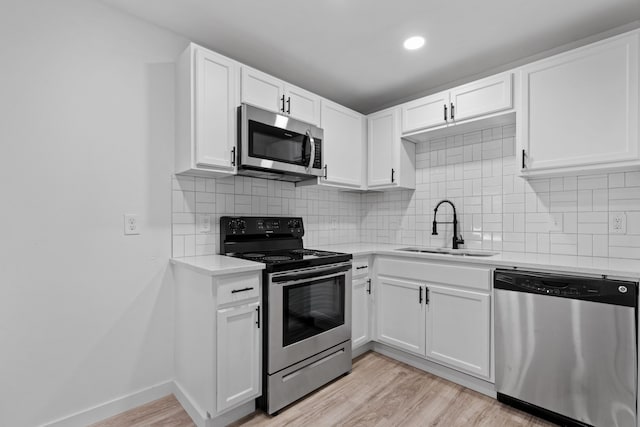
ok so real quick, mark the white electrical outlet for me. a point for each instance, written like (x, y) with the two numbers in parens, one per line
(617, 223)
(131, 224)
(204, 224)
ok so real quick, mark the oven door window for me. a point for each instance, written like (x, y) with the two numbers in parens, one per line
(280, 145)
(312, 308)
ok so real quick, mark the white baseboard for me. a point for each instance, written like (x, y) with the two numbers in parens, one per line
(198, 416)
(468, 381)
(114, 407)
(362, 349)
(201, 419)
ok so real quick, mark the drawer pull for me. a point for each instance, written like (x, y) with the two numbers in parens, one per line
(361, 267)
(235, 291)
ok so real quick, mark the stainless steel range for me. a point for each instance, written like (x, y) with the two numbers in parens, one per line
(307, 295)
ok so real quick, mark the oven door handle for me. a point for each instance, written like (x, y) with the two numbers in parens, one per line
(315, 274)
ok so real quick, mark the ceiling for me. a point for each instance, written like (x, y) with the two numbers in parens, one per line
(351, 51)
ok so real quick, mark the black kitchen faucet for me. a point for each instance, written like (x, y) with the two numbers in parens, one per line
(456, 240)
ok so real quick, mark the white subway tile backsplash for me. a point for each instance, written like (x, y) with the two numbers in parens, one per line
(585, 245)
(592, 182)
(632, 179)
(601, 245)
(616, 180)
(498, 210)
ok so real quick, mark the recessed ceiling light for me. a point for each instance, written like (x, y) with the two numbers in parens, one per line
(413, 43)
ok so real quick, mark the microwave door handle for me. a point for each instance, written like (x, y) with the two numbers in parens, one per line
(312, 158)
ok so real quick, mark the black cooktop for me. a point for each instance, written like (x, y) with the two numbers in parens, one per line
(275, 241)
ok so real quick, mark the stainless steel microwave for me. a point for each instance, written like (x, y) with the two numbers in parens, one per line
(275, 146)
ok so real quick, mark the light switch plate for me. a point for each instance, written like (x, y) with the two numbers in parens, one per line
(617, 223)
(131, 225)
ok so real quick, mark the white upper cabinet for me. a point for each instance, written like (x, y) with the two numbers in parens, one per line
(262, 90)
(207, 94)
(471, 101)
(579, 109)
(424, 113)
(481, 97)
(302, 104)
(391, 159)
(344, 149)
(267, 92)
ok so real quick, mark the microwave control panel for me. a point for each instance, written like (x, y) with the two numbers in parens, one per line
(317, 162)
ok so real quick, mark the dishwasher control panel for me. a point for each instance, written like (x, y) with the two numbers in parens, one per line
(565, 286)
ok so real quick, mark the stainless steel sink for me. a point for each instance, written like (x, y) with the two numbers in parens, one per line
(446, 251)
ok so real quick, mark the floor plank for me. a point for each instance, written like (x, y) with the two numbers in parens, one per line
(379, 392)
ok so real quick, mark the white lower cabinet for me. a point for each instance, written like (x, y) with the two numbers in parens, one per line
(218, 341)
(401, 314)
(458, 328)
(437, 311)
(238, 354)
(360, 311)
(361, 300)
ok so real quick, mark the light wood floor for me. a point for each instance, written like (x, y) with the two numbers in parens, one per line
(379, 392)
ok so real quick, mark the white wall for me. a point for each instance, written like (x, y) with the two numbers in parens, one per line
(86, 133)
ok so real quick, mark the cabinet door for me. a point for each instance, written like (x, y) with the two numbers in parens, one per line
(262, 90)
(581, 108)
(427, 112)
(401, 314)
(384, 139)
(302, 105)
(343, 146)
(482, 97)
(360, 312)
(459, 329)
(239, 355)
(215, 110)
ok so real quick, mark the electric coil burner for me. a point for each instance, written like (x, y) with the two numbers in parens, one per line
(307, 296)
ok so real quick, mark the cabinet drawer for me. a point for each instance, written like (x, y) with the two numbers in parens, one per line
(360, 267)
(238, 288)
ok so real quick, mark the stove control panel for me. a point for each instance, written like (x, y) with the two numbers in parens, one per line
(252, 226)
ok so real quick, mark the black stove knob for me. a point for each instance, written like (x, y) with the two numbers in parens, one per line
(294, 223)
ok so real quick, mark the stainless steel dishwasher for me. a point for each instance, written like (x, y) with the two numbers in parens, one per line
(566, 347)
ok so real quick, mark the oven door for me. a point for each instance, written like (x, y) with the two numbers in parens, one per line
(309, 311)
(279, 143)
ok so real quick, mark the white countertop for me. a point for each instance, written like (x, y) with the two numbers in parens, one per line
(616, 267)
(217, 265)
